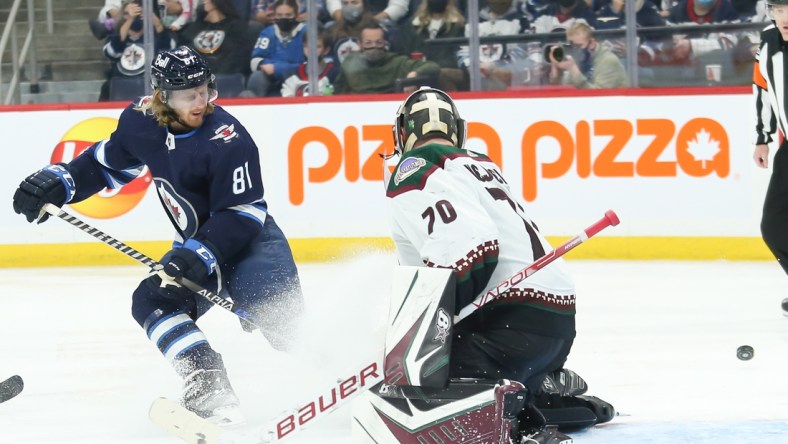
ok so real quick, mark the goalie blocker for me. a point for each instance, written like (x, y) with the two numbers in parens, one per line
(417, 402)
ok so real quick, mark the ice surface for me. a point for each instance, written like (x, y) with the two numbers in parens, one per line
(657, 339)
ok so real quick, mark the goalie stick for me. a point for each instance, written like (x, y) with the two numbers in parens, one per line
(11, 387)
(154, 265)
(610, 219)
(176, 420)
(179, 421)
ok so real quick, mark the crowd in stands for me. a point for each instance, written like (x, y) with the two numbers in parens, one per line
(380, 46)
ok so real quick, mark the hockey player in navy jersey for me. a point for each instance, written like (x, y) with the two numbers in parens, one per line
(452, 208)
(206, 171)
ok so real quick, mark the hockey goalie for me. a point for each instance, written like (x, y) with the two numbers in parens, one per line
(459, 366)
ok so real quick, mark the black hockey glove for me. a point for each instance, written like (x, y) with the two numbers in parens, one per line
(51, 184)
(194, 261)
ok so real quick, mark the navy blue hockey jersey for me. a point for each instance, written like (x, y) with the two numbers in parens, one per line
(208, 180)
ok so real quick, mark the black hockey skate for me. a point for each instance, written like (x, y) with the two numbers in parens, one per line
(544, 435)
(208, 393)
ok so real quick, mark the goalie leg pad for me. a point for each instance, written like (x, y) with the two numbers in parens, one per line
(564, 382)
(574, 412)
(603, 410)
(485, 415)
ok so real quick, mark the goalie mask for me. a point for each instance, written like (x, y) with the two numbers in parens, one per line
(426, 114)
(180, 69)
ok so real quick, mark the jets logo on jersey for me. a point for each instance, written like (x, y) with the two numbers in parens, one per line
(442, 325)
(209, 41)
(225, 132)
(132, 60)
(407, 168)
(180, 210)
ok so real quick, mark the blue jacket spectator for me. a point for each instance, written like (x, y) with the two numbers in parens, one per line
(278, 52)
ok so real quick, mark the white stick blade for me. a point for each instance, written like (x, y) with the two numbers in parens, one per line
(177, 421)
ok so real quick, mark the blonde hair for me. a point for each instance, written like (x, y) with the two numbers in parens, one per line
(154, 105)
(452, 15)
(580, 27)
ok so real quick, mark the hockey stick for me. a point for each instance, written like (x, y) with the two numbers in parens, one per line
(11, 387)
(364, 375)
(282, 426)
(610, 219)
(154, 265)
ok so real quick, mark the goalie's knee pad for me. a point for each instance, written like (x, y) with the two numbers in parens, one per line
(466, 410)
(564, 382)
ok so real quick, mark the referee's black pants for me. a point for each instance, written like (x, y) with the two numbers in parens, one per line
(774, 223)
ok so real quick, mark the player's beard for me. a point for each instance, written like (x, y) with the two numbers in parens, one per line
(191, 119)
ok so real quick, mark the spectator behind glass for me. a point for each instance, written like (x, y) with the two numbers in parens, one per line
(687, 48)
(106, 20)
(437, 19)
(611, 15)
(500, 17)
(125, 48)
(561, 14)
(375, 70)
(588, 64)
(386, 12)
(263, 11)
(346, 29)
(297, 85)
(278, 51)
(746, 8)
(218, 34)
(175, 14)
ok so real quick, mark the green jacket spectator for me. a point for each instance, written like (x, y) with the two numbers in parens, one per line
(374, 69)
(589, 65)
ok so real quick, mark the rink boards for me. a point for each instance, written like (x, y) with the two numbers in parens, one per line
(676, 165)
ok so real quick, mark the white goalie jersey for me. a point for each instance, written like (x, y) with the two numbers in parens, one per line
(452, 208)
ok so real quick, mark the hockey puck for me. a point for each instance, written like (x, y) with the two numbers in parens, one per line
(745, 352)
(785, 307)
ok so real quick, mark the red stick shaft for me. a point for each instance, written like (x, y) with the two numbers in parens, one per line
(610, 219)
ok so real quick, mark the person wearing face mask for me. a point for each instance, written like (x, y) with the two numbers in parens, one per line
(385, 12)
(278, 51)
(262, 11)
(687, 48)
(588, 64)
(435, 19)
(352, 16)
(125, 48)
(375, 70)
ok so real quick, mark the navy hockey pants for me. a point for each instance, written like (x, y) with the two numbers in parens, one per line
(263, 280)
